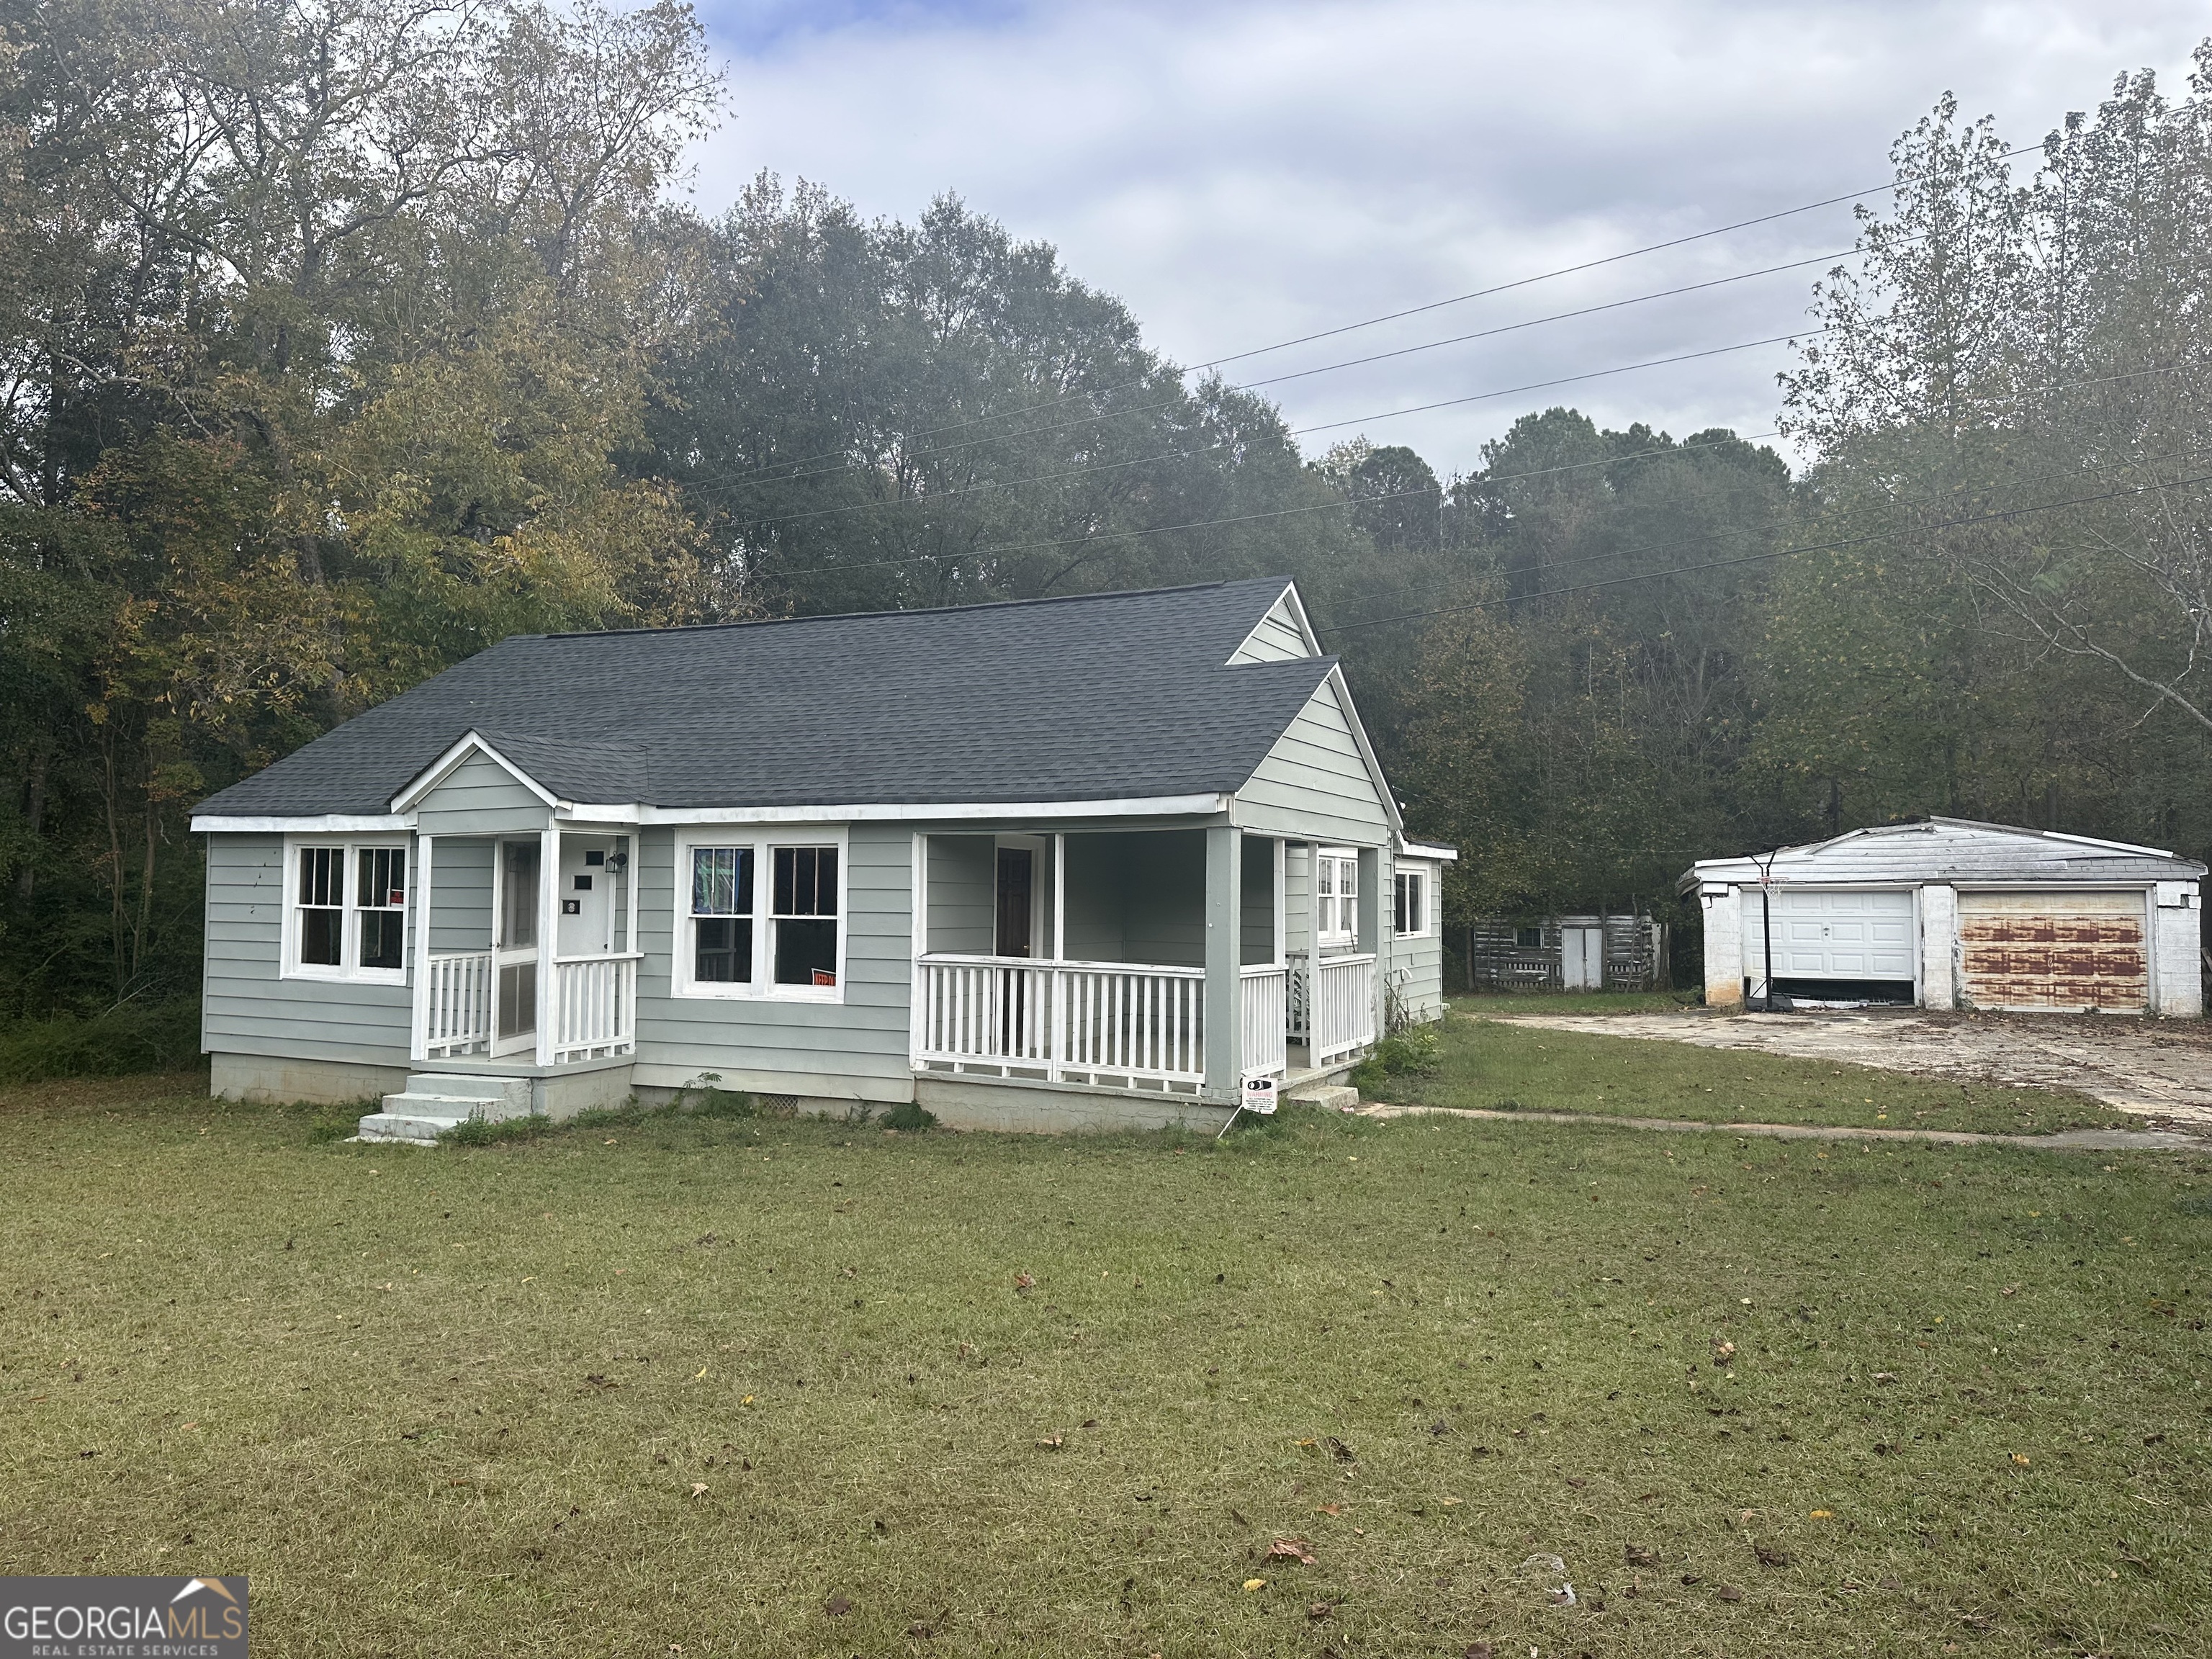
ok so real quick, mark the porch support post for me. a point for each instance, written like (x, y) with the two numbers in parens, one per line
(419, 908)
(549, 931)
(1281, 894)
(1225, 986)
(1374, 871)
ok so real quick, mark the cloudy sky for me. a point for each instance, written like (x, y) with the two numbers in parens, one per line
(1244, 174)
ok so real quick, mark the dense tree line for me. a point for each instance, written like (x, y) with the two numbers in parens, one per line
(338, 342)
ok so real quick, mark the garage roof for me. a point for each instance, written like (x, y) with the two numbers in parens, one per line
(1953, 850)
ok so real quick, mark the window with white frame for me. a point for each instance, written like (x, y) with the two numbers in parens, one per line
(1336, 891)
(722, 915)
(1409, 917)
(347, 905)
(762, 919)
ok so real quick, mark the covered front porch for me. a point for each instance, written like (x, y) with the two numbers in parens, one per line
(527, 953)
(1172, 960)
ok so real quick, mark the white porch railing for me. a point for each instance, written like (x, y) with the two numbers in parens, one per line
(458, 1017)
(1116, 1024)
(1267, 1020)
(595, 1007)
(1333, 1007)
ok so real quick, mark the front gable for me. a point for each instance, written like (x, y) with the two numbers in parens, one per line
(473, 789)
(1319, 780)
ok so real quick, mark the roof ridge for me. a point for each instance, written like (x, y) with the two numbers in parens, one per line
(916, 611)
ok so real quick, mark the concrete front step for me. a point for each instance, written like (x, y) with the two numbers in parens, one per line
(407, 1128)
(1338, 1097)
(435, 1101)
(487, 1096)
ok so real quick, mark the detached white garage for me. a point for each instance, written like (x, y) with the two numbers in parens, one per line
(1950, 914)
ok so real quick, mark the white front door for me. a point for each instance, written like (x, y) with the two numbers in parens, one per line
(588, 887)
(514, 948)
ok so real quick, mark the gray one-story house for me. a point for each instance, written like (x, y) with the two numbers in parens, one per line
(1094, 860)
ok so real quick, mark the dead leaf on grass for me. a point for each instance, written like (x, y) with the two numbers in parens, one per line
(1049, 1443)
(1772, 1556)
(1338, 1449)
(1292, 1549)
(1024, 1283)
(698, 1489)
(836, 1606)
(1319, 1610)
(1638, 1556)
(1730, 1592)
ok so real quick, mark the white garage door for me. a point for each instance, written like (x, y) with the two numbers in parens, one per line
(1832, 935)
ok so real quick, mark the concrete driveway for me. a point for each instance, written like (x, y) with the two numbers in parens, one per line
(2152, 1068)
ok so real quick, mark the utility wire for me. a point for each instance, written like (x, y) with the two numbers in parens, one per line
(1107, 466)
(1779, 553)
(1394, 316)
(1317, 506)
(1640, 454)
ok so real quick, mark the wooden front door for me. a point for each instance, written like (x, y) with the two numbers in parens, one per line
(514, 948)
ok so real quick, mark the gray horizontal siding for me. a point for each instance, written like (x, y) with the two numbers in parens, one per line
(248, 1007)
(1416, 966)
(963, 894)
(864, 1038)
(461, 895)
(1315, 781)
(480, 798)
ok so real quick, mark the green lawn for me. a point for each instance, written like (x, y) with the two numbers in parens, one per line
(1484, 1064)
(775, 1387)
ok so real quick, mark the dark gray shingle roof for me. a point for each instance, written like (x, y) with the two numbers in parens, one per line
(1091, 698)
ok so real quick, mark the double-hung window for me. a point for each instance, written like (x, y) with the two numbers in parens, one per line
(347, 911)
(762, 919)
(722, 915)
(1336, 876)
(1410, 905)
(806, 915)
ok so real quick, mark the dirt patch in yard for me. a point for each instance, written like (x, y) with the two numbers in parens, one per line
(2151, 1069)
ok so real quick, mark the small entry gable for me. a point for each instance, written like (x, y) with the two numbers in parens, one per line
(1320, 778)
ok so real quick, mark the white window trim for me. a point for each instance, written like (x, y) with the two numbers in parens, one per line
(1339, 935)
(763, 839)
(349, 970)
(1418, 872)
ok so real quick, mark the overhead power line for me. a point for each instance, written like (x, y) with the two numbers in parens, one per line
(1386, 317)
(1317, 506)
(1836, 545)
(744, 481)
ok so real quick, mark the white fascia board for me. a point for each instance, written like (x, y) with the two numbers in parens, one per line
(2116, 846)
(1367, 752)
(1422, 850)
(320, 823)
(436, 773)
(1144, 806)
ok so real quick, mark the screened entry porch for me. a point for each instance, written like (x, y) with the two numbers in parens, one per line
(529, 951)
(1083, 958)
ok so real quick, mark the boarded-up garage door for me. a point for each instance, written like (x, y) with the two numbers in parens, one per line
(2054, 950)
